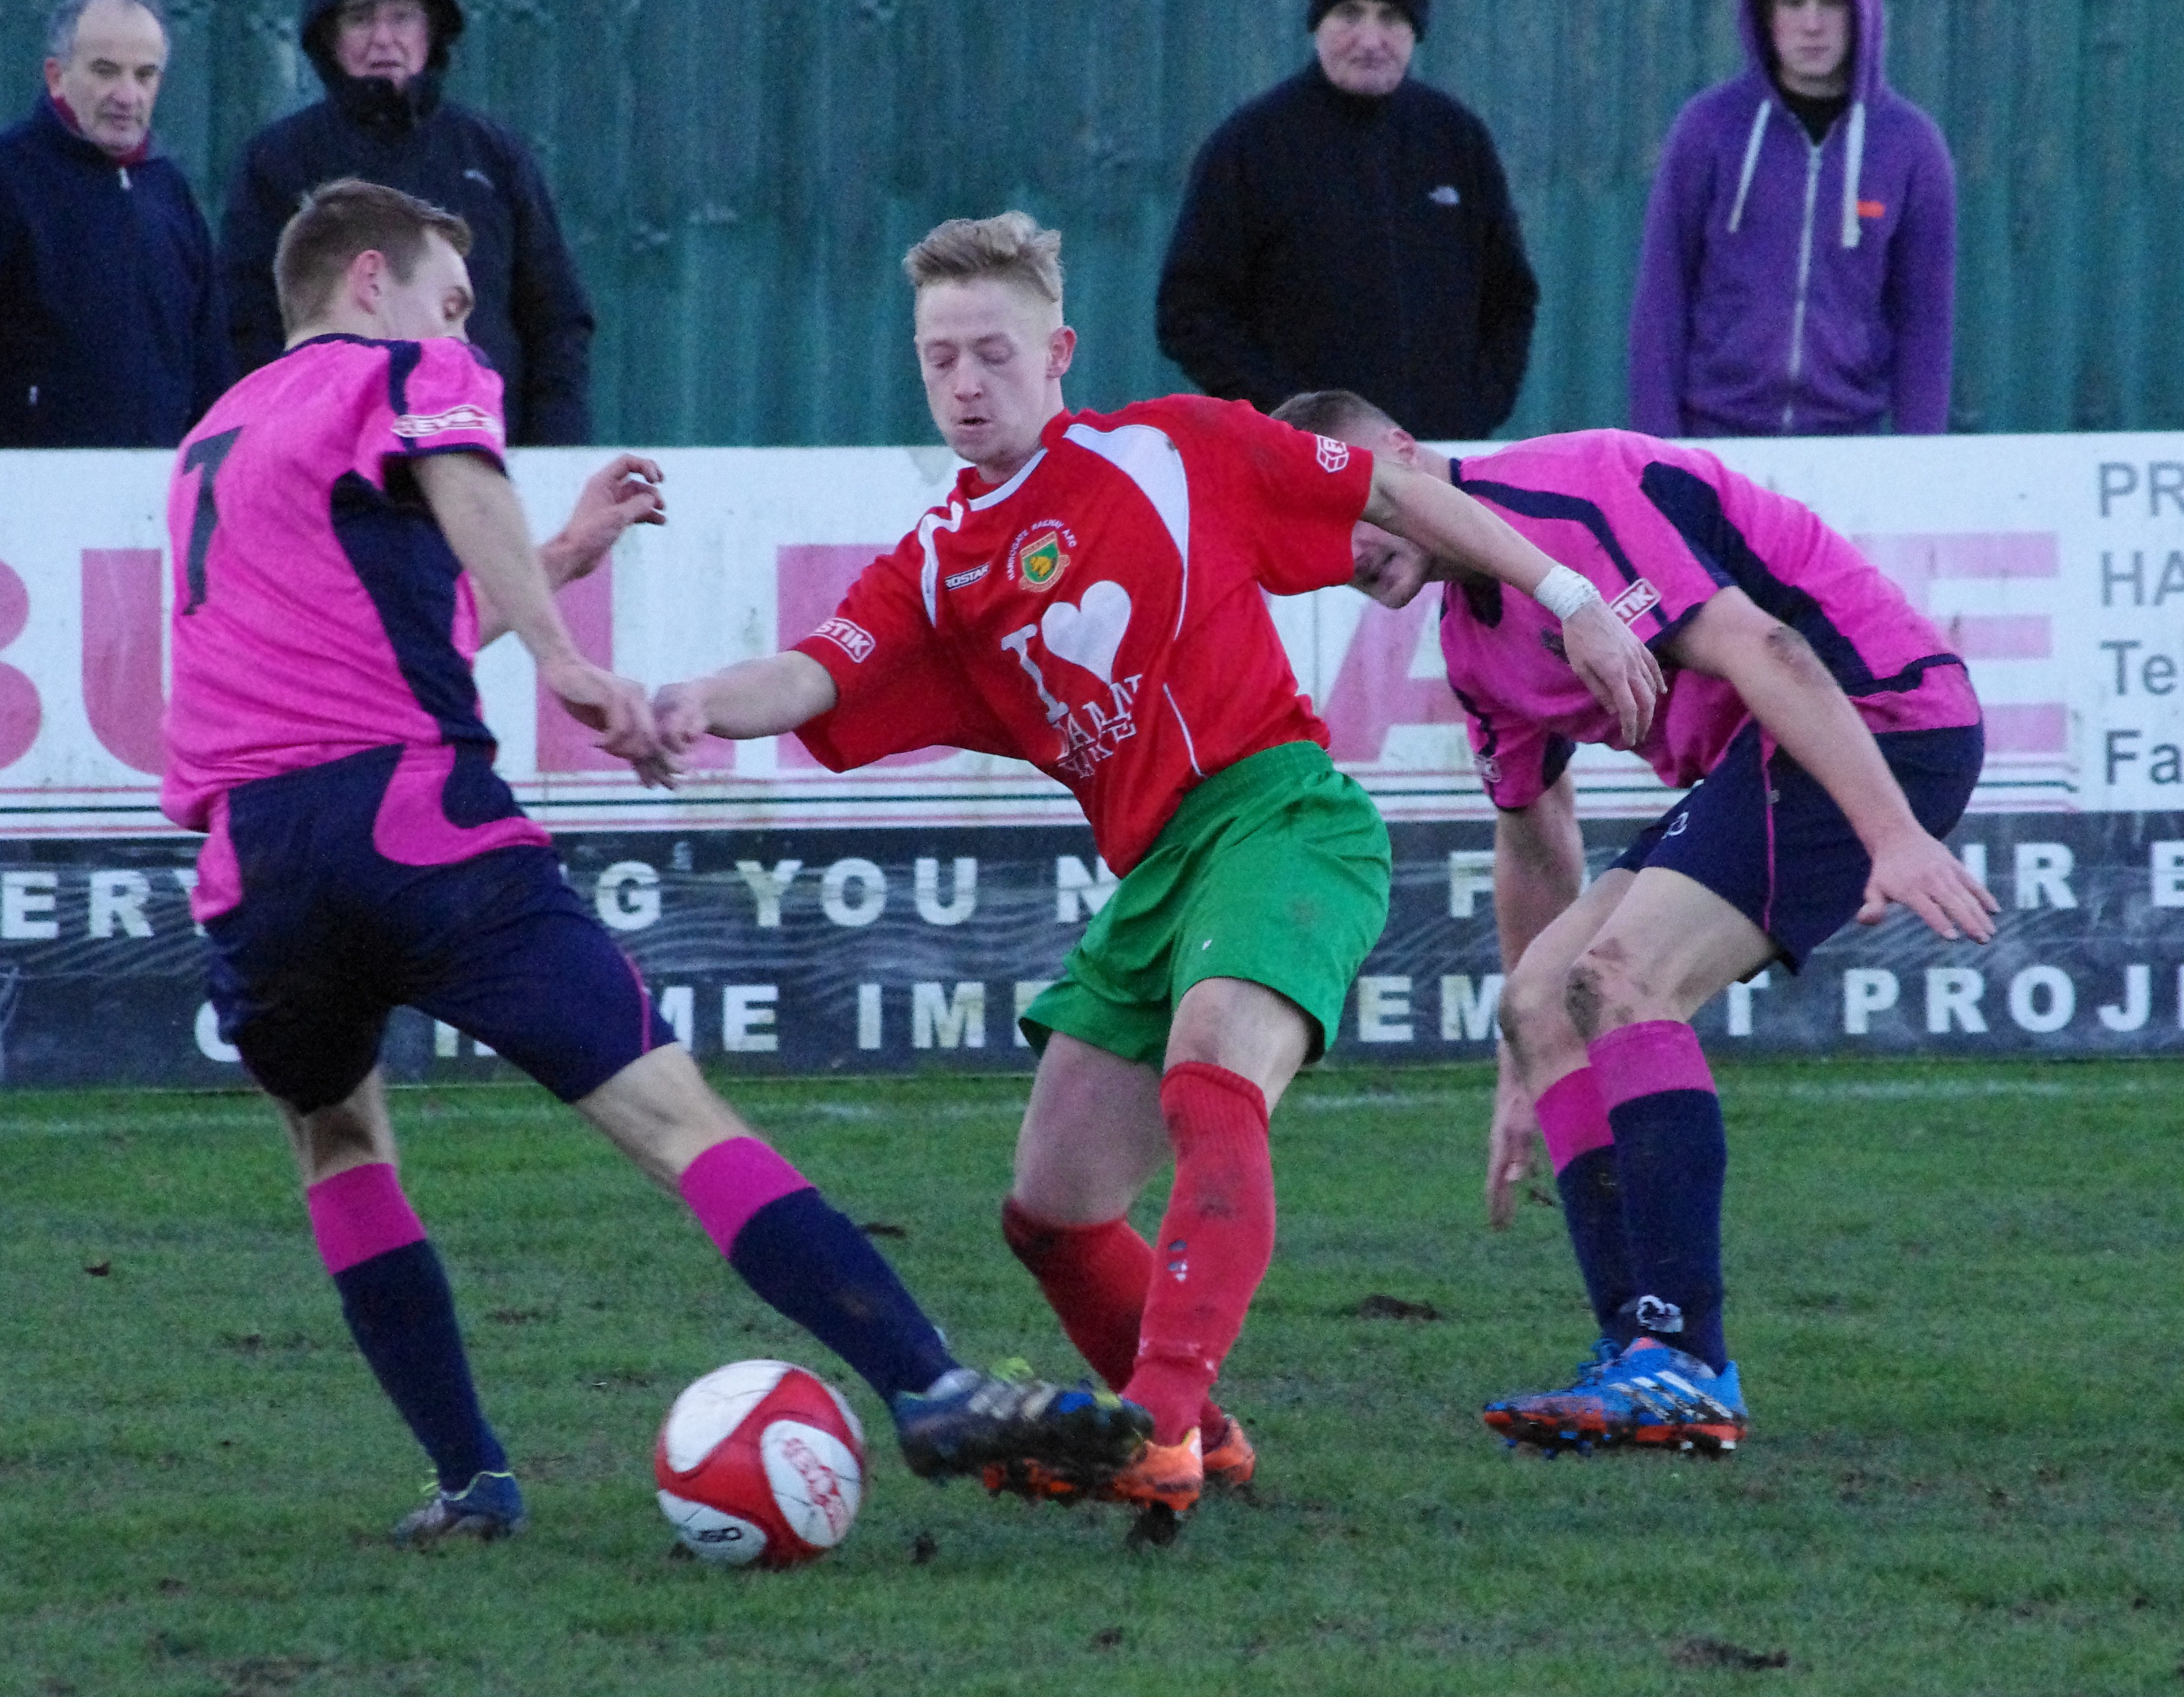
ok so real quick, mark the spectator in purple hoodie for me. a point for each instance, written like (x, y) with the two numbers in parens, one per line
(1798, 276)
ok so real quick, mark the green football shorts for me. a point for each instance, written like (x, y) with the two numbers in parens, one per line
(1275, 870)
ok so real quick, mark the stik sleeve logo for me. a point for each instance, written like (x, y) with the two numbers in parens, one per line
(1333, 455)
(467, 419)
(852, 638)
(1641, 597)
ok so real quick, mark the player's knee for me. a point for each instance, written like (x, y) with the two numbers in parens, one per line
(1606, 988)
(1590, 993)
(1531, 1012)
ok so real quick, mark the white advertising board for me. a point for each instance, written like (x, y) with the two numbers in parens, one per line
(2049, 562)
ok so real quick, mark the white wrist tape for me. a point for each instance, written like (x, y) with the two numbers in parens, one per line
(1562, 591)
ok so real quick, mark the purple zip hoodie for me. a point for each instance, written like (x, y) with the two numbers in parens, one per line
(1786, 289)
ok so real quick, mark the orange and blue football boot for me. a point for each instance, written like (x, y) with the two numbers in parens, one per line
(1649, 1395)
(1228, 1466)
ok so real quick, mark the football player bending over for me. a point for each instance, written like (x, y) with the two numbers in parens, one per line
(1837, 740)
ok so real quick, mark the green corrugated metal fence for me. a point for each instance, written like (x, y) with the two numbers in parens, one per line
(739, 178)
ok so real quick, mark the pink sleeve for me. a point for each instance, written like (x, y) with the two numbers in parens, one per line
(441, 398)
(897, 686)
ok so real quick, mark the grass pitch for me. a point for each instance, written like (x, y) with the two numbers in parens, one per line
(1954, 1295)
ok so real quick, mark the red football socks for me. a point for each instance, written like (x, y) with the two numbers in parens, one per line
(1095, 1278)
(1216, 1242)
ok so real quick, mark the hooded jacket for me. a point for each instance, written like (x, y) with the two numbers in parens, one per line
(1330, 240)
(1789, 287)
(532, 319)
(111, 333)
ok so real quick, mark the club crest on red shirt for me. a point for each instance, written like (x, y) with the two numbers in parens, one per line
(1038, 560)
(1333, 455)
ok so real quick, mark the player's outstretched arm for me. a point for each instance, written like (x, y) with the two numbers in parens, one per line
(1618, 668)
(480, 515)
(623, 493)
(753, 698)
(1539, 870)
(1793, 696)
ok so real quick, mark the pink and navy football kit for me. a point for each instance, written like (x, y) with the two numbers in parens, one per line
(324, 728)
(1102, 614)
(1659, 530)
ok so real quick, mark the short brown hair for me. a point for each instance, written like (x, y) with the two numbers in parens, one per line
(341, 219)
(1333, 412)
(1010, 247)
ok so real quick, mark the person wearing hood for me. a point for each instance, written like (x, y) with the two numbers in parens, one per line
(383, 63)
(1352, 229)
(1798, 276)
(113, 335)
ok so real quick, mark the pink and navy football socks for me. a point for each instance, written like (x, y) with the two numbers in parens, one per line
(1580, 1143)
(395, 1297)
(1671, 1156)
(809, 1263)
(1216, 1242)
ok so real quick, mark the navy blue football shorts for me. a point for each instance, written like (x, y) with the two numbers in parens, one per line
(1761, 834)
(331, 936)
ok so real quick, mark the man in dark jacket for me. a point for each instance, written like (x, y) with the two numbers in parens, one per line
(1352, 229)
(382, 63)
(110, 335)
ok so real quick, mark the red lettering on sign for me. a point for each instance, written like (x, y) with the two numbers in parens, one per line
(1374, 691)
(588, 609)
(123, 647)
(19, 712)
(1917, 562)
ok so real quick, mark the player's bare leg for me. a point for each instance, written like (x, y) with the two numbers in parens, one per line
(1093, 1138)
(1641, 1190)
(660, 1113)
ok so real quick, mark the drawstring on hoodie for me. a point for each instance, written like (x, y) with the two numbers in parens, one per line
(1751, 164)
(1853, 166)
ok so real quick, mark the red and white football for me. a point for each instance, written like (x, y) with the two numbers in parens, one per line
(760, 1464)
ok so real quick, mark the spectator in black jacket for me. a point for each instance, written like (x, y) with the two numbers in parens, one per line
(110, 331)
(1351, 229)
(382, 63)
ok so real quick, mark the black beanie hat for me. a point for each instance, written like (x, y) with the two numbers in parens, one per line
(1417, 11)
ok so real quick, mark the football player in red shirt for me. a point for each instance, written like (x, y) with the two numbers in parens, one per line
(1091, 598)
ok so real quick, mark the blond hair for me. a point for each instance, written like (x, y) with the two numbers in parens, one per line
(1010, 247)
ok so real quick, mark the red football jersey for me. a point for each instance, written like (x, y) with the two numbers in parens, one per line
(1101, 614)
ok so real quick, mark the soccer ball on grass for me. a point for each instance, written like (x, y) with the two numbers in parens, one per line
(760, 1463)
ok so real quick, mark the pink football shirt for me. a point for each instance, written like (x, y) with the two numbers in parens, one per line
(317, 610)
(1659, 530)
